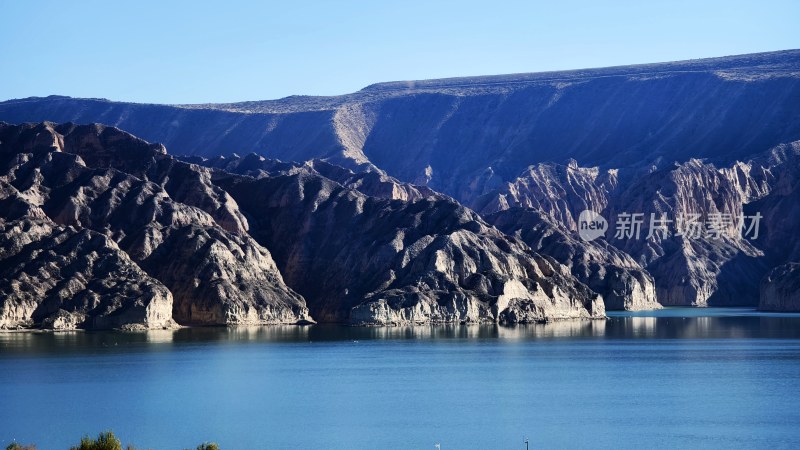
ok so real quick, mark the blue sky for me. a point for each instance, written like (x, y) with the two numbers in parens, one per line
(196, 52)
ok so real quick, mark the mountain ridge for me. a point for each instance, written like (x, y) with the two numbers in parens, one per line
(763, 60)
(614, 121)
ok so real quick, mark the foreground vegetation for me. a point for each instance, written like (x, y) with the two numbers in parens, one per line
(104, 441)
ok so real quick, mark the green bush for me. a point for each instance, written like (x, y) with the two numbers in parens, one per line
(104, 441)
(208, 446)
(15, 446)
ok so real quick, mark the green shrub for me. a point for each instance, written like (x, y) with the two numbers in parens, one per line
(104, 441)
(208, 446)
(15, 446)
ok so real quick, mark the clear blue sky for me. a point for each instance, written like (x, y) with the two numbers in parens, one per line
(195, 52)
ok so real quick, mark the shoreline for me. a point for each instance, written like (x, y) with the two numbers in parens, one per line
(663, 312)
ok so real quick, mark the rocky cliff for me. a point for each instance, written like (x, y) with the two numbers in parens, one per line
(59, 277)
(374, 260)
(198, 236)
(622, 282)
(213, 276)
(709, 267)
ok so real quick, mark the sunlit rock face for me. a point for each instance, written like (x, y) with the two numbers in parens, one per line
(702, 270)
(622, 282)
(562, 191)
(708, 269)
(62, 278)
(201, 235)
(371, 181)
(725, 269)
(368, 260)
(209, 275)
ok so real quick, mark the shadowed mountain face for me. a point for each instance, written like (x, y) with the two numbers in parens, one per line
(194, 242)
(780, 289)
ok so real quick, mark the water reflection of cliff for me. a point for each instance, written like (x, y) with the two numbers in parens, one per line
(746, 327)
(633, 327)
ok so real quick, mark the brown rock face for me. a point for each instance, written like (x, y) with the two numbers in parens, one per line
(562, 191)
(612, 273)
(372, 182)
(365, 260)
(62, 278)
(412, 256)
(220, 278)
(363, 247)
(705, 270)
(467, 136)
(215, 276)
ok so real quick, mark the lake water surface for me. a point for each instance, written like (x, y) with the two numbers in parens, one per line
(698, 378)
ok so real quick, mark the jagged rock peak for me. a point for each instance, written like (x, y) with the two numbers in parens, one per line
(170, 229)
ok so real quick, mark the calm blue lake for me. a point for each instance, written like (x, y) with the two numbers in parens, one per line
(698, 378)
